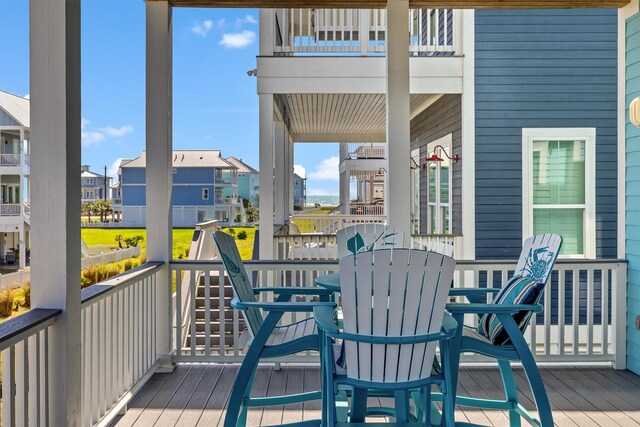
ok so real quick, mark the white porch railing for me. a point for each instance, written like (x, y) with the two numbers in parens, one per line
(354, 150)
(360, 31)
(24, 342)
(418, 241)
(329, 224)
(118, 340)
(9, 209)
(9, 159)
(360, 209)
(583, 320)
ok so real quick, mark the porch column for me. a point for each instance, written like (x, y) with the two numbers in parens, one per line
(290, 176)
(344, 192)
(266, 175)
(158, 169)
(397, 179)
(54, 41)
(280, 172)
(22, 248)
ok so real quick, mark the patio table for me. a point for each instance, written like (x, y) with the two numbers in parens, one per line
(329, 281)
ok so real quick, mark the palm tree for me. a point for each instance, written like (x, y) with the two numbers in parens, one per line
(88, 208)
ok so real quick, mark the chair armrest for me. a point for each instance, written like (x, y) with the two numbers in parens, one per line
(449, 324)
(300, 290)
(473, 308)
(472, 291)
(325, 319)
(280, 306)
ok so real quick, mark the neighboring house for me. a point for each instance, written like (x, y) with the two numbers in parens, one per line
(14, 179)
(200, 179)
(248, 181)
(299, 191)
(94, 186)
(116, 193)
(363, 164)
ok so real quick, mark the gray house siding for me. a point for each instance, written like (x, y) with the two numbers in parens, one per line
(550, 69)
(443, 117)
(6, 119)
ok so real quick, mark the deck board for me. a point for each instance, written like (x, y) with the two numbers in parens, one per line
(196, 395)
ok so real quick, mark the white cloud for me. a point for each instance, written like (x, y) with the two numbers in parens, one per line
(249, 19)
(26, 96)
(238, 40)
(95, 136)
(221, 22)
(202, 28)
(327, 170)
(300, 171)
(113, 169)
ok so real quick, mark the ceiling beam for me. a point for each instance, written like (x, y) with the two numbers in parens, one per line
(426, 4)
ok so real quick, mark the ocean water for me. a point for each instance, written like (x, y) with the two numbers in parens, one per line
(323, 200)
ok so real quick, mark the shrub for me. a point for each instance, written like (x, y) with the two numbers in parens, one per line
(27, 294)
(133, 241)
(242, 235)
(297, 208)
(238, 218)
(231, 231)
(7, 301)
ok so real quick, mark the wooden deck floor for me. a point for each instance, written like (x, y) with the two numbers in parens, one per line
(195, 395)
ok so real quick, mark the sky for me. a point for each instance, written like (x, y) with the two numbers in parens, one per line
(215, 104)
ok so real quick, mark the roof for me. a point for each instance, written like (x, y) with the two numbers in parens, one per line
(242, 166)
(187, 159)
(16, 106)
(89, 174)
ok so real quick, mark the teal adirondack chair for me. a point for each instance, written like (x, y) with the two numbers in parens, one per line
(367, 237)
(268, 339)
(393, 305)
(501, 327)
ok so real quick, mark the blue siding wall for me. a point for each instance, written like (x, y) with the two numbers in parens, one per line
(134, 195)
(191, 195)
(133, 175)
(541, 68)
(633, 194)
(193, 175)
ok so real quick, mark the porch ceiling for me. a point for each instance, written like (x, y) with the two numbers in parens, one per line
(341, 117)
(456, 4)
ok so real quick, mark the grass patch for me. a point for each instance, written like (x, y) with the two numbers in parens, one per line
(181, 239)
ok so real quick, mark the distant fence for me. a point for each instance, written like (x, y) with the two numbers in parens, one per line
(114, 256)
(14, 280)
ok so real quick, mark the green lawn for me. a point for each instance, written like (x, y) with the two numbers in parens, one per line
(306, 225)
(181, 239)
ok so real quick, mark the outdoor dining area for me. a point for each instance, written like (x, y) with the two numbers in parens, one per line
(383, 327)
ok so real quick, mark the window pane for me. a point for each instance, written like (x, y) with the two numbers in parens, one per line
(568, 223)
(444, 184)
(444, 212)
(558, 172)
(432, 219)
(432, 183)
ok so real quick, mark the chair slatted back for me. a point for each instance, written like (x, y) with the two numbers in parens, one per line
(439, 247)
(399, 292)
(538, 256)
(367, 237)
(239, 278)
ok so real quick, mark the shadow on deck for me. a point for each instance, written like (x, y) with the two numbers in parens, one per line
(195, 395)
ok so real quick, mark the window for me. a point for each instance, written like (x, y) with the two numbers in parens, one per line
(559, 187)
(439, 187)
(415, 190)
(205, 194)
(174, 170)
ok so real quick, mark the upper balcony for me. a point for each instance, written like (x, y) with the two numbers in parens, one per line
(360, 32)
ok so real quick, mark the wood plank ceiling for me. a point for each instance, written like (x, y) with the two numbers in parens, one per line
(426, 4)
(332, 113)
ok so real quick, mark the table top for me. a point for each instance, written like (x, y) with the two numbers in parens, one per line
(329, 281)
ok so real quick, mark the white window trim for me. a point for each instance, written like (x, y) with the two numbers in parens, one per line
(589, 136)
(447, 142)
(205, 194)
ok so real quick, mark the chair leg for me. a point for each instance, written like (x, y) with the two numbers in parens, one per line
(538, 390)
(402, 405)
(358, 405)
(510, 391)
(236, 410)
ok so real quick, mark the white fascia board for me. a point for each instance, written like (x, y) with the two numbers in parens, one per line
(354, 75)
(349, 165)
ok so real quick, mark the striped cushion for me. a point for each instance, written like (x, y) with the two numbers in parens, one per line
(518, 290)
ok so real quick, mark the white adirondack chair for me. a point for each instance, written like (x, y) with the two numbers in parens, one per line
(439, 247)
(393, 310)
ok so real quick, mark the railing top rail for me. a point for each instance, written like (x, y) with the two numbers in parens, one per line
(435, 235)
(23, 326)
(102, 289)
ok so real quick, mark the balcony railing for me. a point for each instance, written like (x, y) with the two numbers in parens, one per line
(227, 201)
(9, 209)
(10, 159)
(360, 31)
(353, 150)
(583, 319)
(329, 224)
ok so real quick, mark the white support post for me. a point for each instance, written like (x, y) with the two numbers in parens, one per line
(267, 31)
(22, 248)
(158, 170)
(280, 172)
(364, 17)
(619, 316)
(266, 175)
(397, 179)
(290, 175)
(54, 41)
(344, 193)
(468, 136)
